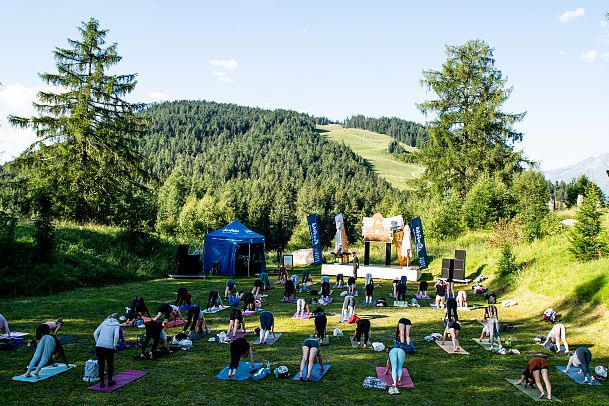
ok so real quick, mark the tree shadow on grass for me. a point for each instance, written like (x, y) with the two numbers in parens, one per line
(579, 309)
(477, 272)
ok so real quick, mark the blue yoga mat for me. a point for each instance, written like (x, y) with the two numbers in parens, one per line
(316, 373)
(576, 376)
(243, 371)
(45, 373)
(213, 310)
(65, 339)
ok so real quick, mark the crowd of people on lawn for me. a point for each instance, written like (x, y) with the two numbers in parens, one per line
(109, 334)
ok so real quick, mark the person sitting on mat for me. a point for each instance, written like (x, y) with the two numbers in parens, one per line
(239, 348)
(106, 338)
(184, 297)
(266, 283)
(402, 336)
(537, 366)
(213, 300)
(302, 308)
(258, 287)
(231, 288)
(462, 298)
(267, 325)
(369, 292)
(351, 285)
(400, 292)
(282, 276)
(440, 293)
(48, 350)
(491, 315)
(395, 363)
(452, 327)
(581, 359)
(340, 281)
(4, 326)
(348, 306)
(422, 288)
(49, 327)
(195, 320)
(310, 353)
(289, 290)
(235, 321)
(558, 333)
(249, 302)
(362, 328)
(167, 311)
(321, 322)
(325, 290)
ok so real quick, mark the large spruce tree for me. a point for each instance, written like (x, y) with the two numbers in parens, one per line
(86, 151)
(469, 134)
(585, 238)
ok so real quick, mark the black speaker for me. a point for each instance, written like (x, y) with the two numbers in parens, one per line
(460, 256)
(445, 268)
(186, 264)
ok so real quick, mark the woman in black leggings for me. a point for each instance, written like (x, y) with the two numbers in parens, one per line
(289, 290)
(340, 281)
(249, 302)
(184, 297)
(401, 290)
(258, 286)
(325, 290)
(235, 320)
(213, 300)
(451, 309)
(320, 326)
(362, 328)
(239, 348)
(153, 332)
(195, 319)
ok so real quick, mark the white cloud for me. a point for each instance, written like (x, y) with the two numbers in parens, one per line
(589, 56)
(605, 56)
(157, 96)
(562, 53)
(571, 15)
(306, 30)
(226, 64)
(221, 77)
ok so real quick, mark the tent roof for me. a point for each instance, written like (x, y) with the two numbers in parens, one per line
(237, 232)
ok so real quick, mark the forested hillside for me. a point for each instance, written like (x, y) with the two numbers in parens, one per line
(405, 131)
(266, 168)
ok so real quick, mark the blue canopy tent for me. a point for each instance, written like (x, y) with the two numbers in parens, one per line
(237, 250)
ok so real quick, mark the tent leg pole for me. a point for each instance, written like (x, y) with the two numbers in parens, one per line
(249, 258)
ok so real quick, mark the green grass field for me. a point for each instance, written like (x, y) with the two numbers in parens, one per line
(373, 147)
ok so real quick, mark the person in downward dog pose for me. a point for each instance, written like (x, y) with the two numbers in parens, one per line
(395, 364)
(239, 348)
(310, 353)
(235, 321)
(536, 369)
(348, 307)
(267, 325)
(369, 292)
(581, 359)
(558, 333)
(362, 329)
(302, 308)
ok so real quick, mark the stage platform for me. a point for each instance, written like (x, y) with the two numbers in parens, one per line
(175, 276)
(390, 272)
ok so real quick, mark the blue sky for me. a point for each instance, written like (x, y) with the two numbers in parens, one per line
(332, 58)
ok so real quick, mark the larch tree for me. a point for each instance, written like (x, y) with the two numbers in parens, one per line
(469, 134)
(86, 150)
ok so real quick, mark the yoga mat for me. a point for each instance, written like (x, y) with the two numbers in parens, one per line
(326, 302)
(158, 354)
(404, 382)
(14, 334)
(325, 341)
(448, 347)
(239, 334)
(306, 316)
(121, 380)
(531, 392)
(576, 376)
(316, 373)
(421, 297)
(65, 339)
(45, 373)
(485, 345)
(270, 340)
(130, 323)
(214, 310)
(185, 307)
(346, 293)
(243, 371)
(196, 336)
(292, 300)
(400, 303)
(174, 323)
(548, 347)
(433, 306)
(464, 309)
(354, 343)
(252, 312)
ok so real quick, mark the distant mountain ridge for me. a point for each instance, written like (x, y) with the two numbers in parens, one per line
(595, 169)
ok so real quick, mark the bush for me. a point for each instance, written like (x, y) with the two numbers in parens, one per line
(507, 267)
(532, 194)
(486, 203)
(441, 216)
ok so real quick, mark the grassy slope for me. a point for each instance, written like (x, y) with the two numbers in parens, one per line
(373, 147)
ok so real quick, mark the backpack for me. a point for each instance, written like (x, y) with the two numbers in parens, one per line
(91, 371)
(381, 302)
(353, 319)
(374, 383)
(233, 300)
(282, 372)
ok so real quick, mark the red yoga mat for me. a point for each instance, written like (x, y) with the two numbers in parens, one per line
(174, 323)
(130, 323)
(405, 382)
(121, 379)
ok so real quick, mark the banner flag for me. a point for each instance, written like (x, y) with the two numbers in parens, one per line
(313, 221)
(419, 240)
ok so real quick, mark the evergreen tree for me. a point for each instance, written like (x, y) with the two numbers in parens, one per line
(86, 152)
(586, 243)
(532, 195)
(469, 135)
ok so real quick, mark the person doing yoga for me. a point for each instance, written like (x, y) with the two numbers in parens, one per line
(266, 283)
(558, 333)
(239, 348)
(48, 350)
(395, 363)
(452, 327)
(235, 321)
(195, 320)
(302, 308)
(321, 322)
(289, 290)
(325, 290)
(231, 288)
(581, 359)
(402, 336)
(462, 298)
(282, 275)
(154, 333)
(258, 287)
(348, 307)
(369, 292)
(267, 325)
(138, 309)
(423, 288)
(491, 316)
(310, 353)
(213, 300)
(249, 302)
(351, 285)
(340, 281)
(167, 311)
(49, 327)
(440, 293)
(184, 297)
(362, 329)
(535, 368)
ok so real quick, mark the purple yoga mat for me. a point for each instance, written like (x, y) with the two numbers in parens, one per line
(305, 316)
(121, 379)
(405, 382)
(239, 334)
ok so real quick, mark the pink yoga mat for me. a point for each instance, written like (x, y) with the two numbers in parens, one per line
(130, 323)
(405, 382)
(306, 316)
(174, 323)
(121, 379)
(239, 334)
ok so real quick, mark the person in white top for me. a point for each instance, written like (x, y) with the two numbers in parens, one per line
(106, 338)
(4, 326)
